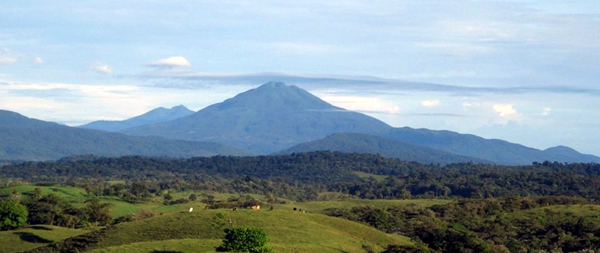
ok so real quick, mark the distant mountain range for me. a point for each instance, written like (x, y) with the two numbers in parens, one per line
(264, 120)
(497, 151)
(22, 138)
(157, 115)
(273, 118)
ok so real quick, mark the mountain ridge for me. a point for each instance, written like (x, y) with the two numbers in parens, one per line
(274, 117)
(364, 143)
(157, 115)
(23, 138)
(494, 150)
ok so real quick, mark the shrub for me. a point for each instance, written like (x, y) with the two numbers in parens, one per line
(143, 214)
(12, 214)
(245, 239)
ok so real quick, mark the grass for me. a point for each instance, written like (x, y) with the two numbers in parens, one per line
(589, 211)
(121, 208)
(319, 206)
(178, 230)
(177, 245)
(69, 193)
(34, 236)
(77, 196)
(365, 175)
(289, 231)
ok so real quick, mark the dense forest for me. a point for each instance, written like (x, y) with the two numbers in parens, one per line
(513, 224)
(302, 176)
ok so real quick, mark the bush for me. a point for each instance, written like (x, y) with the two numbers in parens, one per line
(143, 214)
(245, 239)
(12, 214)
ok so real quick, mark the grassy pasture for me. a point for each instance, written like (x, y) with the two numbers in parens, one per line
(289, 231)
(69, 193)
(319, 206)
(176, 245)
(34, 236)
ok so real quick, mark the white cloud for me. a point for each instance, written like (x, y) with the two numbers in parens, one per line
(546, 111)
(7, 57)
(362, 104)
(38, 60)
(102, 68)
(430, 103)
(175, 61)
(504, 110)
(73, 104)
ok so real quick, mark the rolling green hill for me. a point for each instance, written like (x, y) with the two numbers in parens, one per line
(34, 236)
(289, 232)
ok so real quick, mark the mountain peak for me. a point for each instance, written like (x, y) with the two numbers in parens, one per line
(274, 84)
(562, 150)
(269, 118)
(158, 115)
(277, 96)
(180, 107)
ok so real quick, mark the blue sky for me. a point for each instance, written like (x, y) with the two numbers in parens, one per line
(524, 71)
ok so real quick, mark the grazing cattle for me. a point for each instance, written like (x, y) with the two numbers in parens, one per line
(255, 207)
(235, 209)
(295, 209)
(191, 209)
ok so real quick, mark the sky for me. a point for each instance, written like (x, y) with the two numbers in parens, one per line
(523, 71)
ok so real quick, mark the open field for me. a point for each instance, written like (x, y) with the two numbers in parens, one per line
(319, 206)
(174, 245)
(120, 208)
(34, 236)
(289, 231)
(69, 193)
(589, 211)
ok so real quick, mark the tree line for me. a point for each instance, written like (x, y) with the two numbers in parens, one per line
(303, 176)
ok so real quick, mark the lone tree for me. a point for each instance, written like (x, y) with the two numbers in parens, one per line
(245, 239)
(12, 214)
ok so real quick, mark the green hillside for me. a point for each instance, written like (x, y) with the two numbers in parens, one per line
(175, 245)
(289, 232)
(34, 236)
